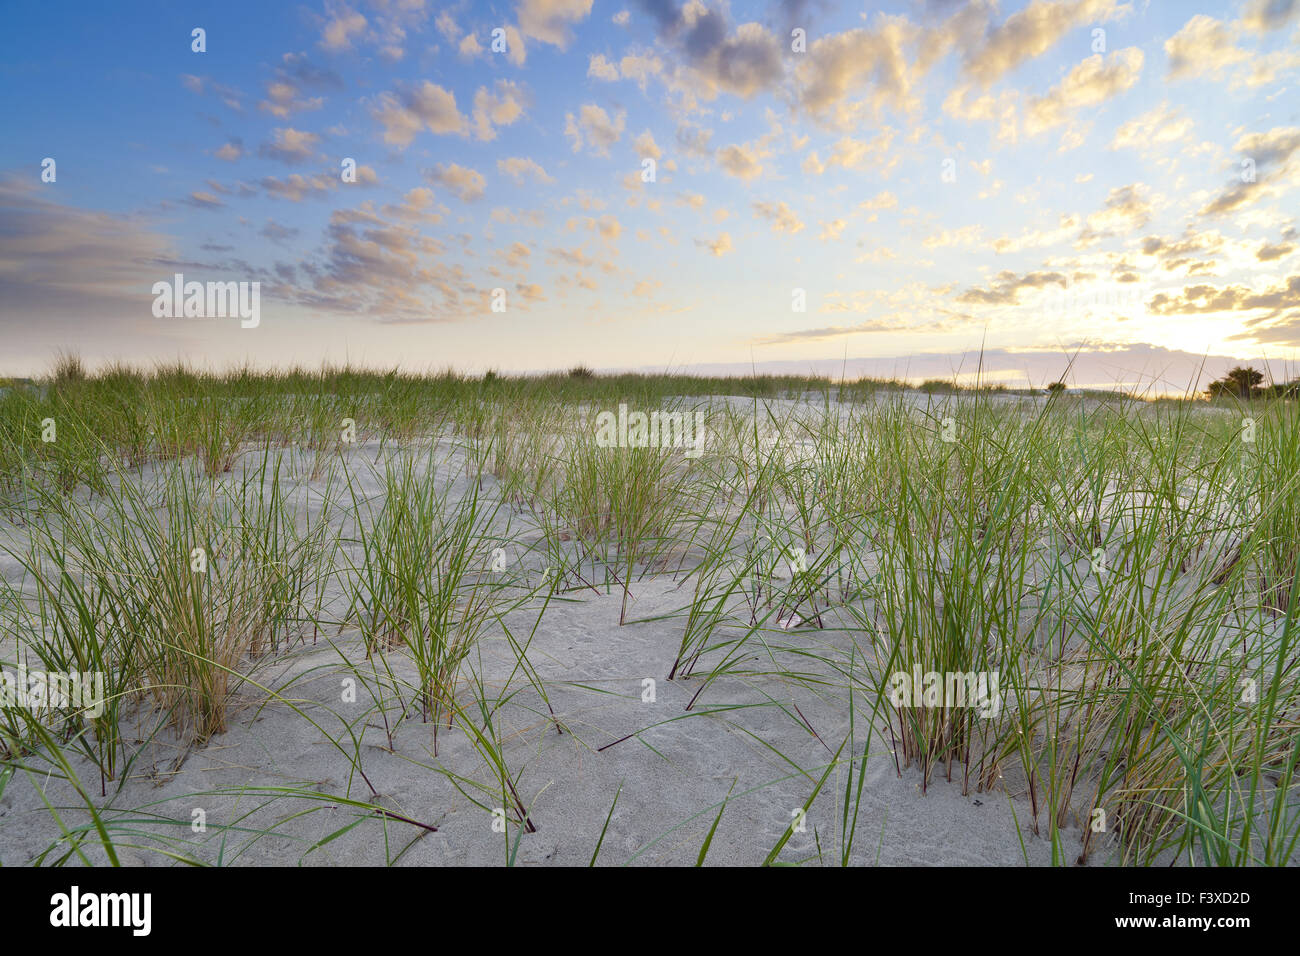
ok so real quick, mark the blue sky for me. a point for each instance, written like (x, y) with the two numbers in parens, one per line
(1043, 179)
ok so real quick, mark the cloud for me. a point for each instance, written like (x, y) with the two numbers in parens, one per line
(516, 255)
(447, 26)
(875, 155)
(516, 52)
(1262, 16)
(1163, 124)
(575, 256)
(693, 140)
(307, 75)
(1093, 81)
(467, 184)
(645, 145)
(533, 218)
(1265, 67)
(202, 85)
(608, 227)
(289, 145)
(1205, 47)
(427, 106)
(1199, 299)
(985, 107)
(374, 267)
(843, 64)
(719, 247)
(831, 230)
(418, 205)
(296, 187)
(781, 216)
(282, 100)
(499, 108)
(1187, 252)
(965, 236)
(740, 161)
(1202, 48)
(277, 232)
(639, 67)
(744, 61)
(295, 74)
(530, 292)
(232, 151)
(58, 262)
(839, 331)
(469, 47)
(1274, 158)
(1007, 286)
(601, 68)
(593, 127)
(549, 20)
(1271, 252)
(1027, 34)
(1276, 148)
(882, 200)
(521, 168)
(1273, 332)
(344, 25)
(204, 200)
(1126, 209)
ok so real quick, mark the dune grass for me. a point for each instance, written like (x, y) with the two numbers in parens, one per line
(1129, 571)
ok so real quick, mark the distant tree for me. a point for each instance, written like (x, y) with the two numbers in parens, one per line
(1238, 383)
(581, 371)
(1056, 387)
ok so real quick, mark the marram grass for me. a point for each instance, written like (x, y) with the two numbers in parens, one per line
(1130, 571)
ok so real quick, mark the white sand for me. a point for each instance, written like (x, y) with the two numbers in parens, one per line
(674, 772)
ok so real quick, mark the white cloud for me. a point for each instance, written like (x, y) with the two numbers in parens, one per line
(719, 247)
(601, 68)
(781, 216)
(467, 184)
(344, 25)
(594, 128)
(740, 161)
(290, 145)
(500, 108)
(521, 168)
(1093, 81)
(549, 20)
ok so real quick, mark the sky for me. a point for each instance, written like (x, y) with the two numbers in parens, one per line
(657, 184)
